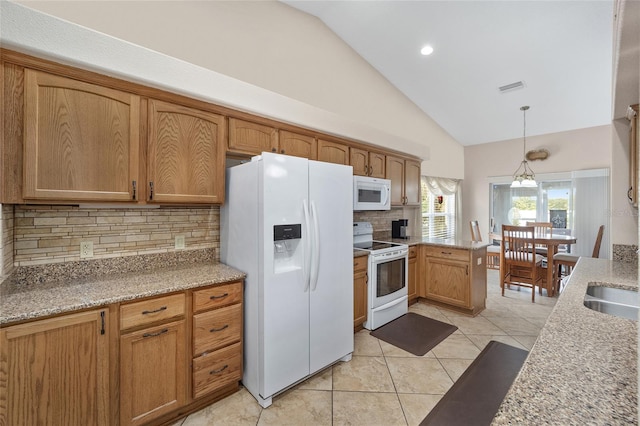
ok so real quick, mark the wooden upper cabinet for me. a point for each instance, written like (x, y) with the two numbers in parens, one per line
(377, 165)
(333, 152)
(395, 172)
(81, 141)
(250, 138)
(405, 181)
(359, 160)
(366, 163)
(412, 183)
(298, 145)
(186, 155)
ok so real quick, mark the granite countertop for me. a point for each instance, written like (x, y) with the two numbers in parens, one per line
(582, 369)
(438, 242)
(21, 300)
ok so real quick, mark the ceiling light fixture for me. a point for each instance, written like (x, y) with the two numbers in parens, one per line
(427, 50)
(524, 177)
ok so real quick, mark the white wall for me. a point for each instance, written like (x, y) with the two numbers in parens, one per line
(273, 46)
(590, 148)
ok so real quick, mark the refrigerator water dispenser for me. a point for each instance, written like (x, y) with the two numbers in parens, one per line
(287, 254)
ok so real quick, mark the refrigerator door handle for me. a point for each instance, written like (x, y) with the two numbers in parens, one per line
(315, 265)
(306, 272)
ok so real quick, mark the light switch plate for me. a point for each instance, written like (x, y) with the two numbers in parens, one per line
(86, 249)
(179, 242)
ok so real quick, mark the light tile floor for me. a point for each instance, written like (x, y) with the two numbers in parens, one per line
(384, 385)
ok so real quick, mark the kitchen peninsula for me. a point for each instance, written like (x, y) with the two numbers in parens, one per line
(451, 273)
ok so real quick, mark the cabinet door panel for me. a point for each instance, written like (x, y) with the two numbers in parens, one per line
(152, 372)
(412, 183)
(81, 141)
(298, 145)
(359, 160)
(186, 154)
(56, 371)
(448, 281)
(377, 165)
(251, 138)
(395, 172)
(332, 152)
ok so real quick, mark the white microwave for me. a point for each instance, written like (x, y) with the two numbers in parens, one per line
(371, 193)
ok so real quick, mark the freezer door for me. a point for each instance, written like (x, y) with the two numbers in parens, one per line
(284, 315)
(331, 298)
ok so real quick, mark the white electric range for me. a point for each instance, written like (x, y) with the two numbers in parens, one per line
(388, 274)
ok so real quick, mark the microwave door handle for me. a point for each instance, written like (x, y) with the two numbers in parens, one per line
(387, 190)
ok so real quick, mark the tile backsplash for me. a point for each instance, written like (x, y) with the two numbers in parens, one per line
(381, 220)
(52, 234)
(6, 244)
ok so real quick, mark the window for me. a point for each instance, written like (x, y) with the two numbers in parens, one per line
(575, 202)
(438, 209)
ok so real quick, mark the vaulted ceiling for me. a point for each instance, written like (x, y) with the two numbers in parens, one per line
(560, 50)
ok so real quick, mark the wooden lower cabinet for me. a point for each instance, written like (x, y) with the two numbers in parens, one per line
(412, 285)
(456, 278)
(217, 338)
(56, 371)
(152, 372)
(360, 288)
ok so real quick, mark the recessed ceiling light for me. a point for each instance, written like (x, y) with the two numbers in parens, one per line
(427, 50)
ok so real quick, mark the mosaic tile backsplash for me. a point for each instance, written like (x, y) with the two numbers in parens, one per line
(52, 234)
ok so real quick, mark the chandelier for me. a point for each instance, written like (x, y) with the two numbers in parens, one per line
(524, 177)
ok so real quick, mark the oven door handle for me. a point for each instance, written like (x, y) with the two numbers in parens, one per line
(306, 271)
(315, 264)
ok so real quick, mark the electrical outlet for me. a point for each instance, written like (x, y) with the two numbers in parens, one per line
(479, 261)
(86, 249)
(179, 242)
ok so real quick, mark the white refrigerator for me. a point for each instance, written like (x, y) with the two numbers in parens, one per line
(287, 223)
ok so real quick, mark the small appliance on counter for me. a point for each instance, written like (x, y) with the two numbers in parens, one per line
(399, 228)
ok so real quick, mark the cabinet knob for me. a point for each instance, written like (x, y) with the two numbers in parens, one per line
(273, 150)
(282, 151)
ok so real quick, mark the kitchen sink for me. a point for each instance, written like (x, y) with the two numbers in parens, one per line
(613, 301)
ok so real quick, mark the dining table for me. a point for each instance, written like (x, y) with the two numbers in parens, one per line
(552, 242)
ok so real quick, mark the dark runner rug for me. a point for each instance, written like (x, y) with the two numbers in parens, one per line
(414, 333)
(475, 397)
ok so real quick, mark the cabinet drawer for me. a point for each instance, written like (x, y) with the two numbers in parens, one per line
(448, 253)
(413, 251)
(215, 297)
(217, 369)
(360, 263)
(150, 311)
(217, 328)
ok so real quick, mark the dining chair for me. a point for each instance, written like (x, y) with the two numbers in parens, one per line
(522, 266)
(569, 261)
(541, 229)
(493, 252)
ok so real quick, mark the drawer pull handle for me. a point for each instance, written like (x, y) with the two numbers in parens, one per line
(445, 252)
(219, 370)
(213, 330)
(162, 308)
(155, 334)
(219, 297)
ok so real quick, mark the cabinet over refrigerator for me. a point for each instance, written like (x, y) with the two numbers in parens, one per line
(287, 223)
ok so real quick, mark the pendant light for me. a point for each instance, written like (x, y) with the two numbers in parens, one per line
(524, 177)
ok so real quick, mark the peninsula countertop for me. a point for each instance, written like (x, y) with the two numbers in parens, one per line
(439, 242)
(20, 301)
(582, 369)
